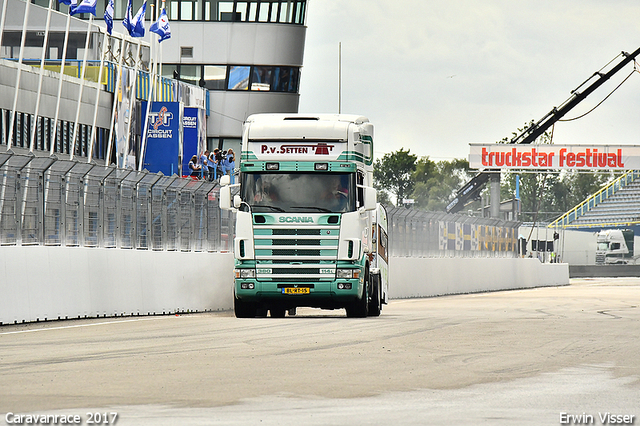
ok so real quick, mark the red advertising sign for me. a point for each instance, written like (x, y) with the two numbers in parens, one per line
(568, 157)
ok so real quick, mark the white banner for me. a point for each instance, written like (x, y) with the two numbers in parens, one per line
(568, 157)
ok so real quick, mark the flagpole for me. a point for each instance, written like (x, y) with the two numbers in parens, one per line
(18, 72)
(41, 75)
(143, 145)
(54, 134)
(81, 90)
(105, 39)
(132, 100)
(116, 93)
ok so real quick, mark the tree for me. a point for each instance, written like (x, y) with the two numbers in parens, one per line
(437, 182)
(393, 173)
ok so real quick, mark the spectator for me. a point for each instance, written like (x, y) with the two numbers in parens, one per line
(231, 164)
(204, 167)
(219, 161)
(194, 167)
(212, 163)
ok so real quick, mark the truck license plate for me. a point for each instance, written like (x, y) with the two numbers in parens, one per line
(295, 290)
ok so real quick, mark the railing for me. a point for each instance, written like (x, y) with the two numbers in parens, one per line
(91, 72)
(47, 201)
(566, 219)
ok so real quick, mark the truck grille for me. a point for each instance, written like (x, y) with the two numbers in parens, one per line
(285, 254)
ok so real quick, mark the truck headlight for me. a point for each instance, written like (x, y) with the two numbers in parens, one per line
(245, 273)
(347, 273)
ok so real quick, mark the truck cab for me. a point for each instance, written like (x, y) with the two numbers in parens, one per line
(614, 246)
(308, 229)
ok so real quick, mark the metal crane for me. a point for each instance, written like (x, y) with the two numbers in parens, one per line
(471, 190)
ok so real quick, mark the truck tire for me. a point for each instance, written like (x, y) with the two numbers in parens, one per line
(243, 309)
(360, 307)
(277, 312)
(375, 304)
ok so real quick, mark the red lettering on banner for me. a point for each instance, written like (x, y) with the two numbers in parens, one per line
(533, 158)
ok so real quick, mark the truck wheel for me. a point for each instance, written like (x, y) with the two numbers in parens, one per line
(375, 304)
(277, 312)
(243, 309)
(360, 307)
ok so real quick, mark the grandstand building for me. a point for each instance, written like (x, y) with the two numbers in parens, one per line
(230, 58)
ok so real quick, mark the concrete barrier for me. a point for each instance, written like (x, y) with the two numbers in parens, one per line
(587, 271)
(39, 283)
(45, 283)
(426, 277)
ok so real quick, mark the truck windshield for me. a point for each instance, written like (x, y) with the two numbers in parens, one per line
(603, 246)
(299, 192)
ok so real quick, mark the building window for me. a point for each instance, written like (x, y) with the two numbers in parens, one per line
(190, 73)
(261, 79)
(280, 11)
(214, 77)
(186, 52)
(238, 78)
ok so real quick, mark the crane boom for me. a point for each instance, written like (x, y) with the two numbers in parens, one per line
(472, 188)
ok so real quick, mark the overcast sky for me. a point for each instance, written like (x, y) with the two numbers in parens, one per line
(434, 76)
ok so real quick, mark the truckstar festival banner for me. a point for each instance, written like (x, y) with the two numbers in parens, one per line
(567, 157)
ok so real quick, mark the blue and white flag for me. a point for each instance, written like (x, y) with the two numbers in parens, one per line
(108, 16)
(135, 25)
(67, 2)
(85, 6)
(127, 17)
(161, 26)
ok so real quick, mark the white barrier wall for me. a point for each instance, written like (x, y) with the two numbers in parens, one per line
(40, 283)
(425, 277)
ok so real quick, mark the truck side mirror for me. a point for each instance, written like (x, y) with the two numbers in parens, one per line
(225, 198)
(237, 201)
(370, 198)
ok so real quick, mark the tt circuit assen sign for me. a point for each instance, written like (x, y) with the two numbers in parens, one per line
(568, 157)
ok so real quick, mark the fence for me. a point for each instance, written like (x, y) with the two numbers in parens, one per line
(46, 201)
(415, 233)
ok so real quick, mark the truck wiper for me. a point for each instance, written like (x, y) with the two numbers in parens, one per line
(322, 209)
(274, 208)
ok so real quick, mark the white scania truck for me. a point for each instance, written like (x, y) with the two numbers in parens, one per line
(309, 232)
(615, 247)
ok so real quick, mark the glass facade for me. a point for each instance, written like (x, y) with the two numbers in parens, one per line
(256, 78)
(271, 11)
(42, 139)
(281, 11)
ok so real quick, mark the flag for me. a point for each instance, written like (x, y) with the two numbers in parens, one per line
(127, 17)
(135, 25)
(85, 6)
(67, 2)
(108, 16)
(161, 26)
